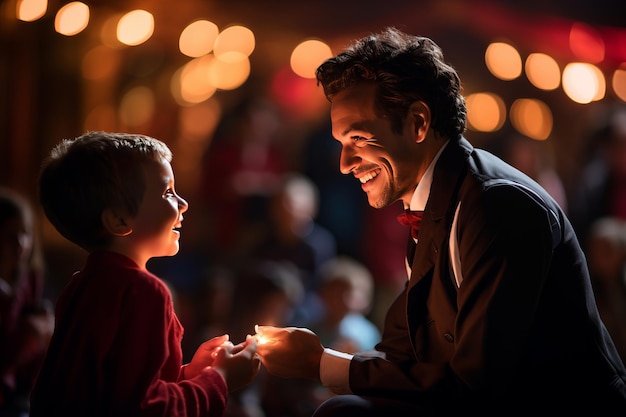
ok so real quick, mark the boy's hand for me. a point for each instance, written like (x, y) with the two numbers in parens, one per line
(238, 364)
(205, 355)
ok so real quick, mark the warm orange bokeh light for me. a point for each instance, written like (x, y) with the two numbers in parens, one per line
(72, 18)
(136, 27)
(543, 71)
(486, 112)
(307, 56)
(531, 118)
(198, 38)
(503, 61)
(235, 39)
(619, 82)
(583, 83)
(31, 10)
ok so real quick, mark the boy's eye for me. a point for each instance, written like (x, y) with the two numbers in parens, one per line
(168, 193)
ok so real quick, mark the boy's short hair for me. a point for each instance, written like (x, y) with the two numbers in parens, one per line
(82, 177)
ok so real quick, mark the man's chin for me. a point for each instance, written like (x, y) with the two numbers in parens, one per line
(375, 203)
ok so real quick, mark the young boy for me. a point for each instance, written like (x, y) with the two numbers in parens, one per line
(116, 348)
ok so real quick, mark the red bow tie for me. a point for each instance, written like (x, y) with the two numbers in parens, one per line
(413, 219)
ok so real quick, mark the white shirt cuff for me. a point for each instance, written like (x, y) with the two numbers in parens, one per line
(335, 371)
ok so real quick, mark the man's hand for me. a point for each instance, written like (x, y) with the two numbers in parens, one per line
(290, 352)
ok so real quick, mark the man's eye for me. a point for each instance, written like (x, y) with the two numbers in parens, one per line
(361, 141)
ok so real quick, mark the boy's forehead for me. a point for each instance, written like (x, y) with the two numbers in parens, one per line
(162, 169)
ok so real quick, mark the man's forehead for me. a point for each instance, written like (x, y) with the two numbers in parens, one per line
(359, 93)
(355, 103)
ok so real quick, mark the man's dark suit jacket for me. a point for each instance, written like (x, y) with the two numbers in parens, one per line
(522, 331)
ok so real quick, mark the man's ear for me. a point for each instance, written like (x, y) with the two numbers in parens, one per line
(420, 118)
(115, 223)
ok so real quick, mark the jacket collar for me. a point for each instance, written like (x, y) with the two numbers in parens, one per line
(448, 174)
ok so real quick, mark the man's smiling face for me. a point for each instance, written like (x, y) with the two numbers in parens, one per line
(385, 162)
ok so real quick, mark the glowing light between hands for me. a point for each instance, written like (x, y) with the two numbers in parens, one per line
(260, 338)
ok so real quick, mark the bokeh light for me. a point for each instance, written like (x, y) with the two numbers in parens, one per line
(583, 83)
(307, 56)
(191, 83)
(229, 70)
(136, 27)
(619, 82)
(503, 61)
(586, 43)
(137, 107)
(198, 38)
(531, 118)
(72, 18)
(31, 10)
(543, 71)
(235, 39)
(486, 112)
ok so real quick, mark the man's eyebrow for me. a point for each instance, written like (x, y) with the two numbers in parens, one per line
(359, 127)
(347, 130)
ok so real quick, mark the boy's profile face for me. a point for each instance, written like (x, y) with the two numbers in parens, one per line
(155, 228)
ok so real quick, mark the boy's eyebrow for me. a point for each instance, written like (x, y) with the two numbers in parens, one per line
(166, 181)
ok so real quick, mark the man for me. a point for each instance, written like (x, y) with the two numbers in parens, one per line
(498, 314)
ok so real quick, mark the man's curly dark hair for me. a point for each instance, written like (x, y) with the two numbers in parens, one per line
(406, 69)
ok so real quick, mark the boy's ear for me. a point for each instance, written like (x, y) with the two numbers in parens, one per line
(115, 223)
(420, 118)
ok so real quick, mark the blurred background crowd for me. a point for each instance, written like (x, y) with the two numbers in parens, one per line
(275, 234)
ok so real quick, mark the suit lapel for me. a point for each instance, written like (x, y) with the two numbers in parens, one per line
(435, 228)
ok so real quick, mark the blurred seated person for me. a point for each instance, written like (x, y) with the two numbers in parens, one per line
(241, 168)
(606, 257)
(293, 235)
(600, 190)
(26, 318)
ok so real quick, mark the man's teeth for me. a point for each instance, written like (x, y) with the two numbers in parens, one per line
(365, 178)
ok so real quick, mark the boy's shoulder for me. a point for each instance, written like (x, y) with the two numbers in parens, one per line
(122, 270)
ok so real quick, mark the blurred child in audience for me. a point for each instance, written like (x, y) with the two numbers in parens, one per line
(293, 235)
(346, 290)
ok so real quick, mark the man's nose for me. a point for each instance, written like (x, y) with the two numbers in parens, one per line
(348, 160)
